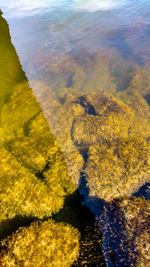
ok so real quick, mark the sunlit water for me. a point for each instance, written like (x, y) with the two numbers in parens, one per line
(79, 46)
(79, 27)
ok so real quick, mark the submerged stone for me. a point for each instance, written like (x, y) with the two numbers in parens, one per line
(118, 168)
(29, 152)
(126, 232)
(41, 244)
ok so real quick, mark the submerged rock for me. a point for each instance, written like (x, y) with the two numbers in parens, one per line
(80, 73)
(141, 82)
(106, 119)
(126, 231)
(60, 118)
(29, 152)
(42, 244)
(118, 168)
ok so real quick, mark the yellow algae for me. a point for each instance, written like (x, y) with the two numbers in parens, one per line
(42, 244)
(119, 168)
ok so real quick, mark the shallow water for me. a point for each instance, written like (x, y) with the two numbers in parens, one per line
(69, 49)
(75, 28)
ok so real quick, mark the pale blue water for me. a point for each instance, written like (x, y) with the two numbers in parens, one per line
(78, 26)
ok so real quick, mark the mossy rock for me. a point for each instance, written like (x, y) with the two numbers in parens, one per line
(135, 100)
(141, 81)
(41, 244)
(29, 152)
(60, 118)
(118, 168)
(106, 119)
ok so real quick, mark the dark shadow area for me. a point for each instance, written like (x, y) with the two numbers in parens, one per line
(40, 174)
(147, 98)
(93, 203)
(89, 109)
(7, 227)
(75, 213)
(80, 216)
(84, 152)
(116, 247)
(144, 191)
(90, 248)
(70, 81)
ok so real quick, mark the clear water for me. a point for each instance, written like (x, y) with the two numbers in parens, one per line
(79, 46)
(53, 28)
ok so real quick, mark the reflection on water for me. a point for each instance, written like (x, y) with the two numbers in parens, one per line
(65, 28)
(15, 8)
(89, 67)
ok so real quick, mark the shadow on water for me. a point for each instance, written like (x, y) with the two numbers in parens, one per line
(147, 98)
(78, 215)
(117, 242)
(144, 191)
(7, 227)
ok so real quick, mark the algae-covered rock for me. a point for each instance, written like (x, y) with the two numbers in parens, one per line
(60, 118)
(74, 73)
(42, 244)
(97, 72)
(118, 168)
(102, 103)
(30, 147)
(135, 100)
(141, 82)
(34, 178)
(126, 231)
(106, 119)
(58, 71)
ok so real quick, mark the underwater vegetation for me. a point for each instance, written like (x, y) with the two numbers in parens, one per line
(76, 73)
(34, 178)
(69, 137)
(41, 244)
(118, 169)
(111, 133)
